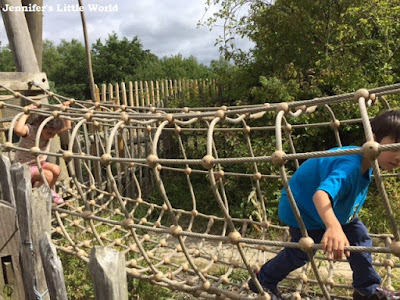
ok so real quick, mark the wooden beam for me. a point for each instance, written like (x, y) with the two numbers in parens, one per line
(19, 37)
(19, 81)
(34, 20)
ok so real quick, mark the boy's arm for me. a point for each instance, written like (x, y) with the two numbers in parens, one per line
(20, 127)
(334, 239)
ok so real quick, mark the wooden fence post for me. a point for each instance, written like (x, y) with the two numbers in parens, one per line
(52, 268)
(33, 220)
(11, 284)
(131, 101)
(146, 85)
(5, 180)
(107, 268)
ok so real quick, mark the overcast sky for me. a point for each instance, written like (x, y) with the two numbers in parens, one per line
(165, 27)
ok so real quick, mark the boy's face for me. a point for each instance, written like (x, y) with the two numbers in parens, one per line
(48, 133)
(388, 160)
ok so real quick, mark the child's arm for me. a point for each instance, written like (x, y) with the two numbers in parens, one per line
(67, 122)
(334, 239)
(20, 127)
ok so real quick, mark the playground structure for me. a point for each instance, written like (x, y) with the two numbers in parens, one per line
(117, 154)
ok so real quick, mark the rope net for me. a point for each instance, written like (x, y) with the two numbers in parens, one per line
(137, 177)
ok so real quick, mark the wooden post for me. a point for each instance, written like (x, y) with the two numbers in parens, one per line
(123, 92)
(153, 100)
(5, 180)
(97, 92)
(34, 219)
(147, 93)
(110, 92)
(157, 94)
(196, 89)
(130, 87)
(103, 92)
(117, 101)
(35, 26)
(19, 38)
(52, 268)
(162, 91)
(136, 94)
(11, 284)
(107, 268)
(141, 93)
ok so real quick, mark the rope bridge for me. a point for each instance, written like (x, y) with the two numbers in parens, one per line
(155, 183)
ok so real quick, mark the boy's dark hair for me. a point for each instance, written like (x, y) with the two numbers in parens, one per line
(387, 123)
(55, 124)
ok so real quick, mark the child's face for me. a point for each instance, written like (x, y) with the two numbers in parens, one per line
(48, 133)
(388, 160)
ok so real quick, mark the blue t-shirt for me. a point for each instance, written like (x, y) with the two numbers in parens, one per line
(339, 176)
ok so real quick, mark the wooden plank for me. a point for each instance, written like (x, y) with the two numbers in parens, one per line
(19, 81)
(33, 220)
(9, 253)
(52, 268)
(107, 268)
(6, 181)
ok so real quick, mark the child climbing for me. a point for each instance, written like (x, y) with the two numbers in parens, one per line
(28, 132)
(329, 192)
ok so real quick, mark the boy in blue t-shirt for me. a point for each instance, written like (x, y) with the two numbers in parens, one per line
(329, 192)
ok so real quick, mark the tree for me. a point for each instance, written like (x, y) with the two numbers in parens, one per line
(66, 66)
(116, 59)
(179, 67)
(328, 47)
(6, 59)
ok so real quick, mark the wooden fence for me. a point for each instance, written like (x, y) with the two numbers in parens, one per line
(30, 267)
(156, 93)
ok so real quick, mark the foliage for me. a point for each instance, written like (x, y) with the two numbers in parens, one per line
(6, 59)
(66, 66)
(116, 59)
(324, 47)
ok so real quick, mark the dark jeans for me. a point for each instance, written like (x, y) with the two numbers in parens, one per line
(365, 278)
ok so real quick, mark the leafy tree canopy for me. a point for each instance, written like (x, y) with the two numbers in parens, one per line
(328, 47)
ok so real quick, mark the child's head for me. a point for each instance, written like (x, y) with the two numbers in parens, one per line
(51, 128)
(387, 124)
(386, 129)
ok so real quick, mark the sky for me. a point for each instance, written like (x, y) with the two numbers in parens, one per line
(165, 27)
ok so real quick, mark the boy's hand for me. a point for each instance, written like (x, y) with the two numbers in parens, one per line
(66, 103)
(333, 243)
